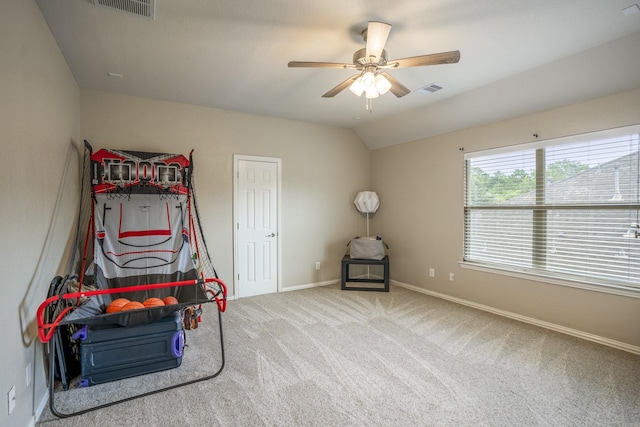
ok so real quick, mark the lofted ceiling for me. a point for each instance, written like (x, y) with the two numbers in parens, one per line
(517, 57)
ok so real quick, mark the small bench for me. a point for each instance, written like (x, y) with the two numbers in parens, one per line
(347, 261)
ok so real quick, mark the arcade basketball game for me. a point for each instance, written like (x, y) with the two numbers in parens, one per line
(137, 278)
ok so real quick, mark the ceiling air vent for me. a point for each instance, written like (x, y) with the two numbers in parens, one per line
(146, 8)
(430, 88)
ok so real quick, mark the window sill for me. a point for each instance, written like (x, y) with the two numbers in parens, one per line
(523, 274)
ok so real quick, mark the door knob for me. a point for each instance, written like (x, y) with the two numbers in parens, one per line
(271, 235)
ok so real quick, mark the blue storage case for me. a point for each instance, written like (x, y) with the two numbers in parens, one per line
(113, 352)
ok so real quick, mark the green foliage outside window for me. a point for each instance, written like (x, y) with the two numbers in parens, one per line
(500, 187)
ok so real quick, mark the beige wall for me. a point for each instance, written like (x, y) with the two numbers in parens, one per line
(421, 216)
(43, 115)
(322, 169)
(39, 119)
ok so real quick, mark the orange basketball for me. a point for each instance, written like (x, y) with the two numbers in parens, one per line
(153, 302)
(116, 305)
(170, 300)
(133, 305)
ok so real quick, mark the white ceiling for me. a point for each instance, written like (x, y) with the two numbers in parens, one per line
(517, 57)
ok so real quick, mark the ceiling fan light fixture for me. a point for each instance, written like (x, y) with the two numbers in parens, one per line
(382, 84)
(372, 93)
(357, 87)
(368, 80)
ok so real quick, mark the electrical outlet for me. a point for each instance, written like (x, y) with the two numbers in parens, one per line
(317, 265)
(451, 278)
(432, 272)
(11, 399)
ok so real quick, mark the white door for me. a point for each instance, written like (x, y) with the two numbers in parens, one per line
(256, 218)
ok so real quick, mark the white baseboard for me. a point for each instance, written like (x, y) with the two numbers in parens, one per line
(44, 401)
(310, 285)
(297, 288)
(552, 326)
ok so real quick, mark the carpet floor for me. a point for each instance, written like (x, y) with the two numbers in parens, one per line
(326, 357)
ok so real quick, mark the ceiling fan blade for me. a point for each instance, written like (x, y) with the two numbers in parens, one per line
(433, 59)
(397, 88)
(377, 34)
(295, 64)
(342, 86)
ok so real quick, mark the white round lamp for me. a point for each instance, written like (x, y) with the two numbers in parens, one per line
(367, 202)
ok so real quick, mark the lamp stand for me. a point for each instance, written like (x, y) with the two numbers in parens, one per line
(367, 224)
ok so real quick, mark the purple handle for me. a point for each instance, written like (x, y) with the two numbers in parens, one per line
(177, 344)
(81, 333)
(83, 383)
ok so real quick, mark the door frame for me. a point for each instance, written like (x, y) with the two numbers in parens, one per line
(278, 161)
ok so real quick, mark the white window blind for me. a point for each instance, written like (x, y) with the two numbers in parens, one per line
(562, 208)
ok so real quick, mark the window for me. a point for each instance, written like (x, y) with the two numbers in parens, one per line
(564, 209)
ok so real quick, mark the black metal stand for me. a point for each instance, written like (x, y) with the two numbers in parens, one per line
(347, 261)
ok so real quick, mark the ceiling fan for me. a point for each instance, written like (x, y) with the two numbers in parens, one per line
(371, 62)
